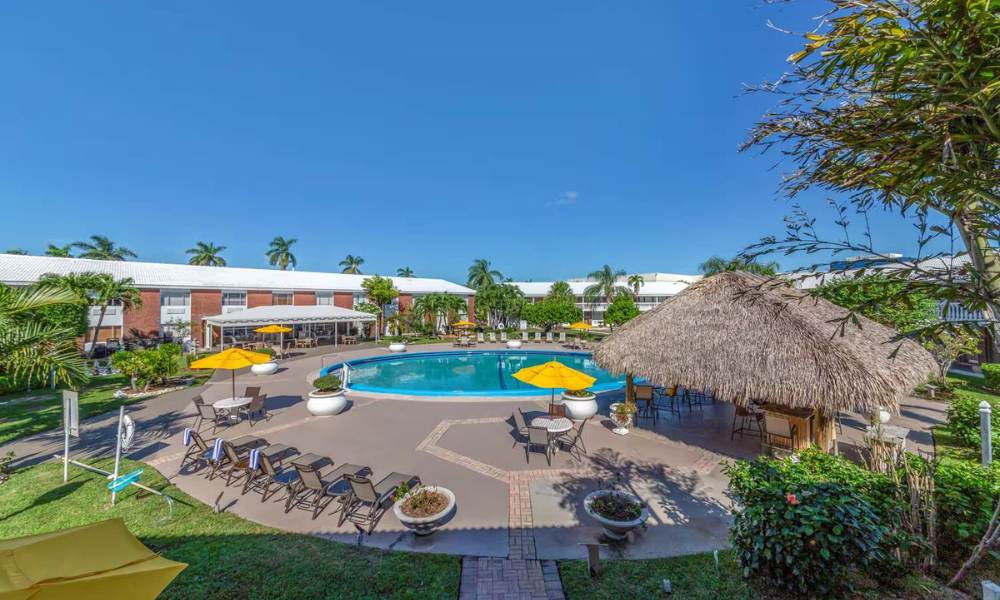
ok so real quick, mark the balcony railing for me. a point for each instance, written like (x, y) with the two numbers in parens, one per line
(957, 312)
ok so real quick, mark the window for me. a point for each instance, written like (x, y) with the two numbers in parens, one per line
(281, 298)
(360, 298)
(234, 298)
(324, 298)
(175, 298)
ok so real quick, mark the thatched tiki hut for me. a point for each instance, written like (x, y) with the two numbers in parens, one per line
(747, 338)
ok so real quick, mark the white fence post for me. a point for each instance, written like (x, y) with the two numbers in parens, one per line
(986, 432)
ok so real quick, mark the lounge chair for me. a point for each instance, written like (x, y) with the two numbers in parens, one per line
(237, 455)
(375, 497)
(548, 338)
(493, 337)
(524, 336)
(573, 439)
(256, 407)
(538, 436)
(271, 472)
(322, 488)
(538, 337)
(562, 338)
(480, 338)
(503, 337)
(207, 413)
(198, 451)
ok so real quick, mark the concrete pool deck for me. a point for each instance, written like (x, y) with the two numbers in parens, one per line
(505, 507)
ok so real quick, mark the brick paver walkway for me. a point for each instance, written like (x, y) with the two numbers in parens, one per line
(510, 579)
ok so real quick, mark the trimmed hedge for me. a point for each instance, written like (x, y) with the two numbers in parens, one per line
(991, 371)
(963, 421)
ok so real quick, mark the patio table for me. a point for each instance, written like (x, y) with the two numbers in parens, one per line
(231, 406)
(554, 425)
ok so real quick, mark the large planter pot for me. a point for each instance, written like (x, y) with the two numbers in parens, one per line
(325, 404)
(579, 408)
(268, 368)
(397, 347)
(621, 425)
(616, 530)
(513, 343)
(425, 525)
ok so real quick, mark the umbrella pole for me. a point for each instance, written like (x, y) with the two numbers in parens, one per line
(234, 383)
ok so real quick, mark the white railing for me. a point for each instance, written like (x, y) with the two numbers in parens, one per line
(957, 312)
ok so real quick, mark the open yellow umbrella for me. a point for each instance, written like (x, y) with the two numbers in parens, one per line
(581, 325)
(463, 324)
(232, 359)
(281, 329)
(554, 375)
(101, 560)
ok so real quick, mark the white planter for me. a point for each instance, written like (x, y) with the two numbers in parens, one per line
(579, 408)
(513, 343)
(397, 347)
(425, 525)
(325, 404)
(616, 530)
(621, 426)
(268, 368)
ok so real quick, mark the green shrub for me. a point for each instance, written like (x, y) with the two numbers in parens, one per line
(327, 383)
(991, 371)
(963, 421)
(965, 494)
(807, 538)
(266, 350)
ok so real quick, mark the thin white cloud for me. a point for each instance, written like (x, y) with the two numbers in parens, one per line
(565, 199)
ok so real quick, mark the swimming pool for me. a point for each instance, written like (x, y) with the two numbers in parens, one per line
(464, 373)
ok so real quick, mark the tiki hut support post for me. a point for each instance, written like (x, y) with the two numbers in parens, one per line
(628, 389)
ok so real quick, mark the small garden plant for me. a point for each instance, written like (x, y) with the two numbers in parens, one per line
(423, 502)
(327, 383)
(617, 507)
(991, 371)
(579, 393)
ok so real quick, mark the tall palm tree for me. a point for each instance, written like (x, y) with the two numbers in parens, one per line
(636, 282)
(480, 274)
(59, 251)
(96, 289)
(717, 264)
(206, 254)
(102, 248)
(605, 284)
(279, 253)
(560, 290)
(404, 272)
(30, 349)
(352, 264)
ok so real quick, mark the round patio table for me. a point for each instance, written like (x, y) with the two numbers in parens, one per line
(554, 425)
(232, 406)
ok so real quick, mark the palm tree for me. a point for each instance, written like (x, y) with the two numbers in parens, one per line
(59, 251)
(560, 290)
(605, 284)
(717, 264)
(280, 253)
(16, 252)
(30, 349)
(96, 289)
(636, 282)
(404, 272)
(206, 254)
(352, 264)
(102, 248)
(480, 274)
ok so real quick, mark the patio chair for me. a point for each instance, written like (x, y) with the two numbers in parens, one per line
(493, 337)
(480, 338)
(778, 434)
(548, 338)
(538, 436)
(251, 391)
(503, 337)
(524, 336)
(197, 452)
(562, 338)
(323, 489)
(538, 337)
(668, 401)
(645, 401)
(270, 472)
(236, 455)
(693, 399)
(557, 410)
(207, 412)
(375, 497)
(256, 407)
(573, 439)
(746, 421)
(520, 427)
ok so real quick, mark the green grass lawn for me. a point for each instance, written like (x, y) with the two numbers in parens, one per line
(25, 413)
(227, 556)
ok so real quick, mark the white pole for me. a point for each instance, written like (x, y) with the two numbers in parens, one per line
(66, 422)
(118, 450)
(985, 426)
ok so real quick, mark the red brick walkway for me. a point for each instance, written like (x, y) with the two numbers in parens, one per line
(507, 579)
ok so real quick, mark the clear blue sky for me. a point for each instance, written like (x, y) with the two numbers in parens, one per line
(547, 137)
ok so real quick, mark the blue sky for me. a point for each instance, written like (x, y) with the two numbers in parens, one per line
(547, 137)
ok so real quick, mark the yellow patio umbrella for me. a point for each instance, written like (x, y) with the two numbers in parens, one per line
(463, 324)
(581, 326)
(280, 329)
(232, 359)
(101, 560)
(554, 375)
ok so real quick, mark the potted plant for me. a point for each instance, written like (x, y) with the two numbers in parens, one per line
(424, 508)
(268, 368)
(621, 416)
(328, 396)
(618, 512)
(397, 345)
(580, 404)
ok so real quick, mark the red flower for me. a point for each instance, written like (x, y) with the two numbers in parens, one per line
(791, 499)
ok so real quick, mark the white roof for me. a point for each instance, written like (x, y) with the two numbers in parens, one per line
(940, 265)
(650, 288)
(24, 270)
(288, 315)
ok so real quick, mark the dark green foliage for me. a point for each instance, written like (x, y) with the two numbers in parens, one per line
(963, 420)
(966, 494)
(991, 371)
(72, 317)
(327, 383)
(806, 539)
(621, 310)
(551, 312)
(882, 300)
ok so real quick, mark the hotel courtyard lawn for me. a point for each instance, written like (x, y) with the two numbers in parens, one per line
(227, 556)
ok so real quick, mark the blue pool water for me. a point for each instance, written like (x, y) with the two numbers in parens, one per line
(465, 373)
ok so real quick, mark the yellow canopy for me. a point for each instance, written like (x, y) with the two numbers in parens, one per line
(463, 324)
(554, 375)
(93, 562)
(581, 325)
(273, 329)
(234, 358)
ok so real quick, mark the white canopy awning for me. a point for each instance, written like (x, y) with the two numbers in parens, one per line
(289, 315)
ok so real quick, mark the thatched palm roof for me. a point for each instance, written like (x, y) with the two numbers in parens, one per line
(746, 337)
